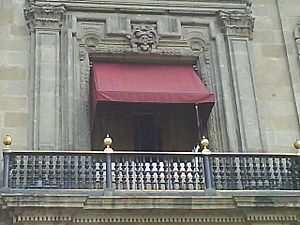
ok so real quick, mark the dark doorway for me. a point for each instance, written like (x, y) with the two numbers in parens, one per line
(146, 126)
(147, 132)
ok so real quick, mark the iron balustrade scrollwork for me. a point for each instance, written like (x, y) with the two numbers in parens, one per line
(150, 170)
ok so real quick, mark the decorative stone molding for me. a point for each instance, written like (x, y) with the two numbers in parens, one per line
(49, 16)
(160, 219)
(113, 50)
(237, 23)
(91, 40)
(49, 218)
(197, 44)
(80, 207)
(273, 217)
(143, 37)
(127, 218)
(297, 38)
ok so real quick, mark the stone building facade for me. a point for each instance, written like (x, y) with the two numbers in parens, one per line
(228, 39)
(248, 55)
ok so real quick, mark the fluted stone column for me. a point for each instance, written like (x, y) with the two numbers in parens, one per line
(239, 95)
(45, 24)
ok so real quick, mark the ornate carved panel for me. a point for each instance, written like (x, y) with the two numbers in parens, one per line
(236, 23)
(143, 37)
(50, 16)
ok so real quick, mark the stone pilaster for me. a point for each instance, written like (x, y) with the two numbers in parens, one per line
(242, 119)
(45, 25)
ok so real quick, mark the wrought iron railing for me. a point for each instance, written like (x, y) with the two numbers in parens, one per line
(150, 171)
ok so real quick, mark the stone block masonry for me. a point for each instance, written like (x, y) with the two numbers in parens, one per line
(14, 71)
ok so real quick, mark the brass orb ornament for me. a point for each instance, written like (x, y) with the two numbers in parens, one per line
(297, 146)
(7, 140)
(204, 143)
(107, 142)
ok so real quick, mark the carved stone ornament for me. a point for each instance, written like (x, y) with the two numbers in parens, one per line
(122, 50)
(41, 16)
(196, 44)
(91, 40)
(138, 219)
(237, 23)
(143, 37)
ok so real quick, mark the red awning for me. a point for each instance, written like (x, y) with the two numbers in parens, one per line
(147, 83)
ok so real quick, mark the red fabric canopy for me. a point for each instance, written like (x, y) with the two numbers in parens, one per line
(147, 83)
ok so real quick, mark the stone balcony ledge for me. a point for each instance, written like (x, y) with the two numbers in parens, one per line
(89, 199)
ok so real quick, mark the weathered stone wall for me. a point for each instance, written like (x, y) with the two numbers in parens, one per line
(14, 71)
(277, 71)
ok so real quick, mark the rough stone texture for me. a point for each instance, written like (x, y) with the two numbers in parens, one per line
(277, 72)
(14, 71)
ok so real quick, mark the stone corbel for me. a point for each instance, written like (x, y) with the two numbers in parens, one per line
(44, 16)
(240, 24)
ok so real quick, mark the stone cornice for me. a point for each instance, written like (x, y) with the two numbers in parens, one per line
(44, 16)
(236, 23)
(152, 200)
(207, 7)
(234, 207)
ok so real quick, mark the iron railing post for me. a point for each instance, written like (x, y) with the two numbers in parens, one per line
(5, 170)
(206, 153)
(108, 171)
(208, 180)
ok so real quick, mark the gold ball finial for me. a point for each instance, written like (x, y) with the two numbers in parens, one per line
(297, 146)
(7, 140)
(107, 142)
(204, 143)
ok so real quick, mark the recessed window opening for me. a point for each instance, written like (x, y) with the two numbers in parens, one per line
(148, 107)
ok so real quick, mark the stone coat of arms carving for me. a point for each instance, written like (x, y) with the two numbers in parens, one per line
(143, 37)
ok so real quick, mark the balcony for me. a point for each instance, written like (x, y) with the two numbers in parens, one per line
(147, 171)
(150, 187)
